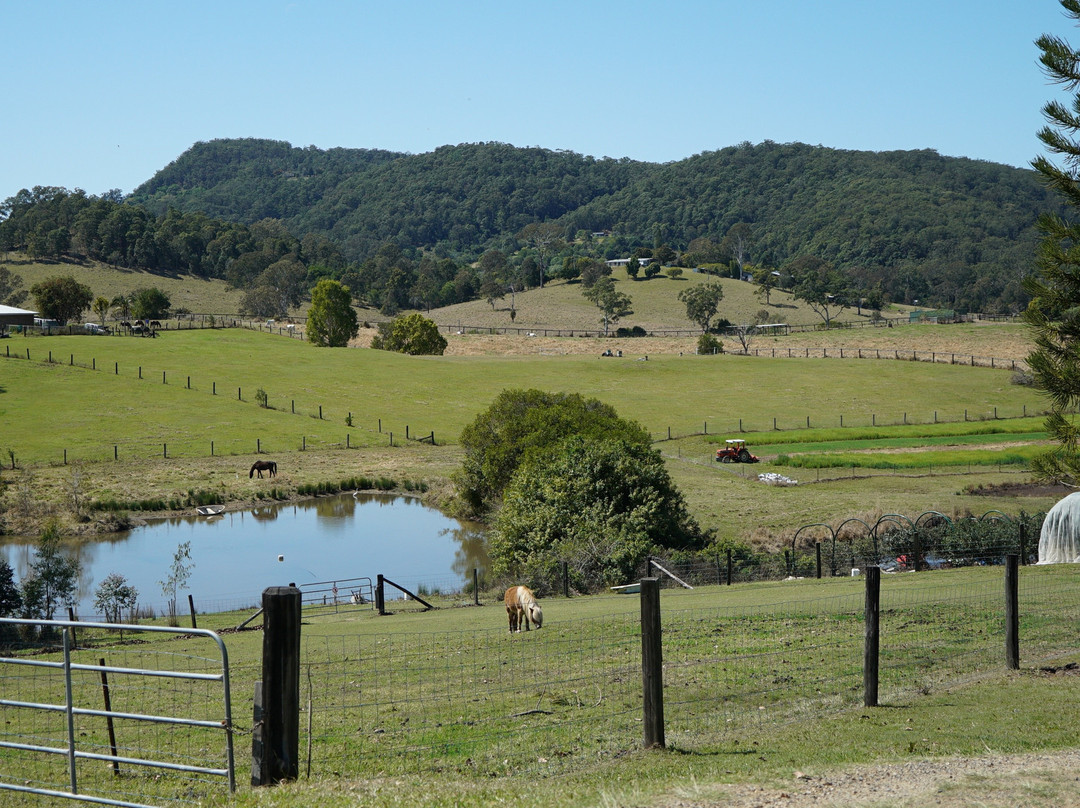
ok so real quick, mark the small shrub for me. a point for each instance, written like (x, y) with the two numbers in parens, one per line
(1025, 378)
(708, 344)
(261, 398)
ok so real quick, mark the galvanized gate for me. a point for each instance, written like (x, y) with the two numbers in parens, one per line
(112, 714)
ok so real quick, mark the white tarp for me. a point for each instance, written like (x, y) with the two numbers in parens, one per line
(1059, 539)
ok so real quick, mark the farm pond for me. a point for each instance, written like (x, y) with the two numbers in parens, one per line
(235, 555)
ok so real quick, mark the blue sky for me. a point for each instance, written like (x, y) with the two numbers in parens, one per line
(100, 95)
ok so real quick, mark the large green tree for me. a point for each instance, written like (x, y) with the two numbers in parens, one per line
(332, 320)
(1054, 311)
(520, 423)
(600, 505)
(61, 299)
(411, 334)
(702, 302)
(613, 304)
(149, 304)
(820, 285)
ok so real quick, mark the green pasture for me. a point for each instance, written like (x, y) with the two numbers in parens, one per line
(655, 302)
(559, 304)
(925, 434)
(444, 708)
(730, 498)
(201, 295)
(1013, 456)
(46, 408)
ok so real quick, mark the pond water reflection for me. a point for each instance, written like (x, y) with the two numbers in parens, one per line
(235, 555)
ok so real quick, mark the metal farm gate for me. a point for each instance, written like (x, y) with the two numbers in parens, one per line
(114, 714)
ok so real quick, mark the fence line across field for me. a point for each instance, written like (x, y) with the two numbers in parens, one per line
(544, 703)
(366, 435)
(572, 694)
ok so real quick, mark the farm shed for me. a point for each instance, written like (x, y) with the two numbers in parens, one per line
(9, 316)
(1059, 540)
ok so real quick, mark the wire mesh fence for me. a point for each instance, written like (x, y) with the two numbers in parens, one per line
(472, 702)
(569, 696)
(377, 702)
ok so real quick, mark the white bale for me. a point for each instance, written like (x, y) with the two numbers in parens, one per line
(1059, 538)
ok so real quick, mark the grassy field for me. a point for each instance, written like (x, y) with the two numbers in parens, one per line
(762, 681)
(559, 304)
(185, 291)
(198, 392)
(46, 408)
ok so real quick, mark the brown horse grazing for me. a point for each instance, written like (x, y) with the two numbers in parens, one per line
(261, 466)
(522, 608)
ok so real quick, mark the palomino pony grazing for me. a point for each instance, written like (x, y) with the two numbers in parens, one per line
(522, 608)
(261, 466)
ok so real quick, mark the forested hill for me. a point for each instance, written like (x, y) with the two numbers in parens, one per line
(459, 199)
(915, 222)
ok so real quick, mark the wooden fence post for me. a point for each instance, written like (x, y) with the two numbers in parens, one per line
(275, 743)
(380, 604)
(652, 664)
(108, 718)
(817, 549)
(729, 567)
(191, 608)
(1012, 613)
(870, 648)
(476, 586)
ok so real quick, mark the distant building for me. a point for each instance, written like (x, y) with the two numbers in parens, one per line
(11, 316)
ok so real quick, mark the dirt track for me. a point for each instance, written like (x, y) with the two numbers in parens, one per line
(993, 780)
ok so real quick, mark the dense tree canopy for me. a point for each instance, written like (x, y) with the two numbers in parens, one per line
(411, 334)
(149, 304)
(405, 231)
(600, 505)
(61, 298)
(520, 423)
(332, 322)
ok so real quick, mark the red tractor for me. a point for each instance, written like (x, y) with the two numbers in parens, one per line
(735, 451)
